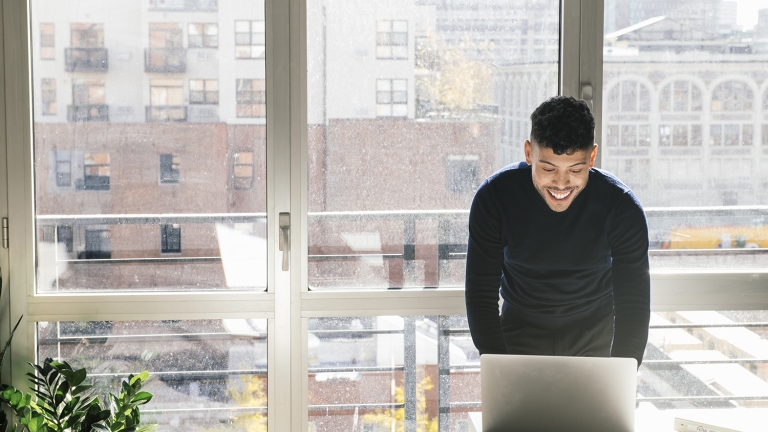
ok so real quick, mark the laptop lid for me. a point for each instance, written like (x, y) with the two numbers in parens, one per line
(545, 393)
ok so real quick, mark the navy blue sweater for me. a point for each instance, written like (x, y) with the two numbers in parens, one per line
(557, 269)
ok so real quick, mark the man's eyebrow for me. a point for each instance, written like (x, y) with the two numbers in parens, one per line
(550, 163)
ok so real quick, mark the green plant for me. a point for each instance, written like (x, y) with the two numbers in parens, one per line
(65, 404)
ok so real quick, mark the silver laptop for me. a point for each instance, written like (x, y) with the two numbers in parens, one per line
(543, 393)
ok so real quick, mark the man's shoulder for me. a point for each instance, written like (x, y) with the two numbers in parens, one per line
(510, 173)
(612, 191)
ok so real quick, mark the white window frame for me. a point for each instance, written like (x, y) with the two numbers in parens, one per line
(287, 304)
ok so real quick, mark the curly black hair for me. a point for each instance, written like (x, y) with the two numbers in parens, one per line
(564, 125)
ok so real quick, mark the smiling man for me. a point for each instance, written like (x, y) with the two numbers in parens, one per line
(565, 243)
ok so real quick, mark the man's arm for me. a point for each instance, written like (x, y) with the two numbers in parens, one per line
(485, 257)
(628, 237)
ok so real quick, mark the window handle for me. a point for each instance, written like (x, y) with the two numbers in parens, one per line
(586, 94)
(285, 237)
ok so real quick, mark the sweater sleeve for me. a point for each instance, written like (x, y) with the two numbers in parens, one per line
(628, 237)
(485, 257)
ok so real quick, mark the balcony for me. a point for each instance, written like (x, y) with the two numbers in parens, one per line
(166, 113)
(165, 60)
(203, 114)
(86, 59)
(88, 113)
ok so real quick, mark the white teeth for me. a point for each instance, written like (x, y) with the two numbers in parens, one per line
(560, 195)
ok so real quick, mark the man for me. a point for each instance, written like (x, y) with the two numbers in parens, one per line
(569, 243)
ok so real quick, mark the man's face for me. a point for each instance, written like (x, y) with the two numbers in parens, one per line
(559, 178)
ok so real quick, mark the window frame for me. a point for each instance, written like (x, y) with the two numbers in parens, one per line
(287, 304)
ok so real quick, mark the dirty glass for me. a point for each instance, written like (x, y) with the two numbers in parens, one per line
(372, 373)
(708, 366)
(685, 115)
(411, 104)
(204, 375)
(146, 117)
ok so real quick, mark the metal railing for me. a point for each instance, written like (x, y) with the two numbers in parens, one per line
(165, 60)
(88, 113)
(86, 59)
(166, 113)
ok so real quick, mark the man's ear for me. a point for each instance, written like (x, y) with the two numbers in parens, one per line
(592, 156)
(528, 153)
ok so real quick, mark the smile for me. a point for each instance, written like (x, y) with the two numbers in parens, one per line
(560, 196)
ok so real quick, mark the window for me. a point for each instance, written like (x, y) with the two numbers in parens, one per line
(166, 98)
(462, 173)
(249, 39)
(47, 41)
(170, 238)
(169, 168)
(391, 98)
(96, 171)
(251, 98)
(65, 237)
(165, 35)
(97, 244)
(87, 35)
(203, 35)
(63, 169)
(243, 170)
(204, 91)
(48, 96)
(392, 39)
(89, 101)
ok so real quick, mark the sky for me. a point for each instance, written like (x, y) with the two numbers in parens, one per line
(746, 14)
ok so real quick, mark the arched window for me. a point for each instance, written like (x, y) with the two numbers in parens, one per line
(677, 97)
(629, 96)
(680, 96)
(732, 96)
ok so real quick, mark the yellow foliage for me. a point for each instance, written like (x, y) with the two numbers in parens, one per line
(385, 418)
(460, 84)
(248, 392)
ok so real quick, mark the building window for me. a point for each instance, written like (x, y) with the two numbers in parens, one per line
(47, 42)
(96, 171)
(169, 168)
(251, 98)
(732, 96)
(203, 35)
(89, 101)
(629, 96)
(765, 135)
(731, 134)
(165, 35)
(249, 39)
(391, 98)
(97, 244)
(63, 169)
(86, 35)
(462, 173)
(64, 236)
(48, 96)
(681, 96)
(243, 170)
(392, 39)
(204, 91)
(170, 238)
(166, 98)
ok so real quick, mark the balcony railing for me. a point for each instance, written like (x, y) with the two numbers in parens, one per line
(165, 60)
(166, 113)
(184, 5)
(88, 113)
(86, 59)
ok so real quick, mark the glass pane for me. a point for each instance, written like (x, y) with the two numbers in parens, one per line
(127, 92)
(365, 373)
(204, 375)
(704, 196)
(705, 366)
(395, 90)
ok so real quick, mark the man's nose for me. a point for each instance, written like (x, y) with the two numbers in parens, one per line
(562, 179)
